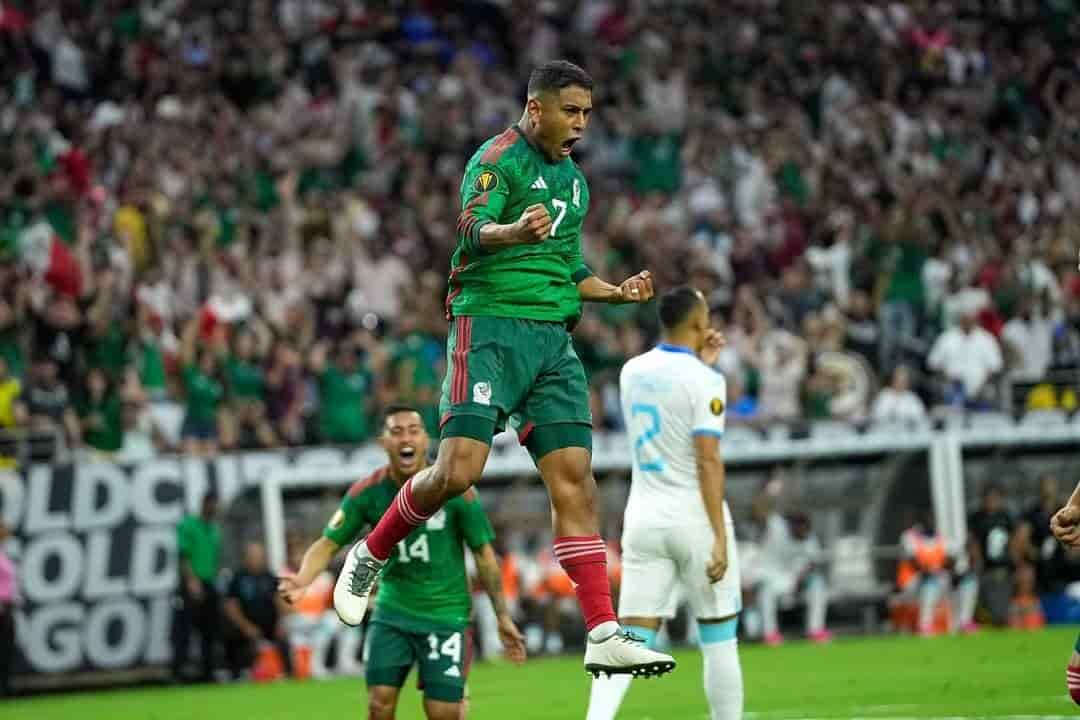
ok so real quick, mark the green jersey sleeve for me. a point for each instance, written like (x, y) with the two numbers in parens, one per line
(346, 522)
(475, 526)
(355, 511)
(484, 192)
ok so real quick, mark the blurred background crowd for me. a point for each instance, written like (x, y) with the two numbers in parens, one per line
(245, 210)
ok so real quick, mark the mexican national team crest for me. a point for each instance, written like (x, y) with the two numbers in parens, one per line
(577, 193)
(481, 393)
(485, 181)
(716, 406)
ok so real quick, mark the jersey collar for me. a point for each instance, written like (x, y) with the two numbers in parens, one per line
(668, 347)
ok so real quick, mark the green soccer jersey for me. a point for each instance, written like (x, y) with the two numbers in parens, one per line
(424, 584)
(532, 282)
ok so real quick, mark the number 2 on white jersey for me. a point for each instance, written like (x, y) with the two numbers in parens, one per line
(650, 428)
(560, 205)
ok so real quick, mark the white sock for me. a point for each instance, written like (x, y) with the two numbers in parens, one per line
(767, 606)
(723, 679)
(966, 597)
(817, 602)
(603, 631)
(929, 595)
(606, 696)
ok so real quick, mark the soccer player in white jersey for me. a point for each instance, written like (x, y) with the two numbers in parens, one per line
(678, 529)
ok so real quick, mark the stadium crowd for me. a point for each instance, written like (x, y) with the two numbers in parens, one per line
(248, 208)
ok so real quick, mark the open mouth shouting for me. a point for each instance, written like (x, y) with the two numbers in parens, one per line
(568, 145)
(407, 457)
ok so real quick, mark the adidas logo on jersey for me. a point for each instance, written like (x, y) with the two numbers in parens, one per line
(539, 184)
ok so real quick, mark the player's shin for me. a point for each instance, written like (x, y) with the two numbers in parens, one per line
(723, 675)
(584, 558)
(400, 518)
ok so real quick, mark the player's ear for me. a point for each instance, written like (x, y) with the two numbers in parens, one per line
(534, 108)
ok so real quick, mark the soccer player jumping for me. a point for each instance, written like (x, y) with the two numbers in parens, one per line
(516, 288)
(1066, 528)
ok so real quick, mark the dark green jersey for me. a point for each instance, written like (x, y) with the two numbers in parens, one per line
(424, 583)
(532, 282)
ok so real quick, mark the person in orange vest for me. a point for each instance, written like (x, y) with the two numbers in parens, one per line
(923, 569)
(313, 625)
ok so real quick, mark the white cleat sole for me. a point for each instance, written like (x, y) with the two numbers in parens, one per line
(645, 670)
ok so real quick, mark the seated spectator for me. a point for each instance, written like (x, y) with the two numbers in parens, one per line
(966, 357)
(897, 403)
(923, 577)
(254, 613)
(992, 543)
(790, 564)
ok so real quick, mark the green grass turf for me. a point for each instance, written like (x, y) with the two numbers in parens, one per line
(993, 674)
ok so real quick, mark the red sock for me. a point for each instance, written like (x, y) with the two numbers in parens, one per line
(1072, 680)
(396, 523)
(585, 560)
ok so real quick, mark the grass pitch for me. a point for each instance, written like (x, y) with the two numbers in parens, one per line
(993, 674)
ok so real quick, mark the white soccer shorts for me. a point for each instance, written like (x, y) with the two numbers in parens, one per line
(662, 565)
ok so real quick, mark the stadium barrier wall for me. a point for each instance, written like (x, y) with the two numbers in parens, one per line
(95, 543)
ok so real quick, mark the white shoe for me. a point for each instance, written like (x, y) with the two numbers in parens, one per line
(353, 586)
(624, 653)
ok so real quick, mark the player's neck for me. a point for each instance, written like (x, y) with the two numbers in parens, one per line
(401, 478)
(529, 133)
(678, 342)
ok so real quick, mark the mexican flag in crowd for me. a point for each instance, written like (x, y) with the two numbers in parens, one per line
(36, 247)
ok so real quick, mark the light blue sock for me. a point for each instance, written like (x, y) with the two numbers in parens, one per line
(711, 633)
(646, 633)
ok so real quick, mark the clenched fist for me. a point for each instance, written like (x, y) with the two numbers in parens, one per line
(1066, 525)
(533, 226)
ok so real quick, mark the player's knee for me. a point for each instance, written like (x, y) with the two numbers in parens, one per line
(457, 469)
(380, 707)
